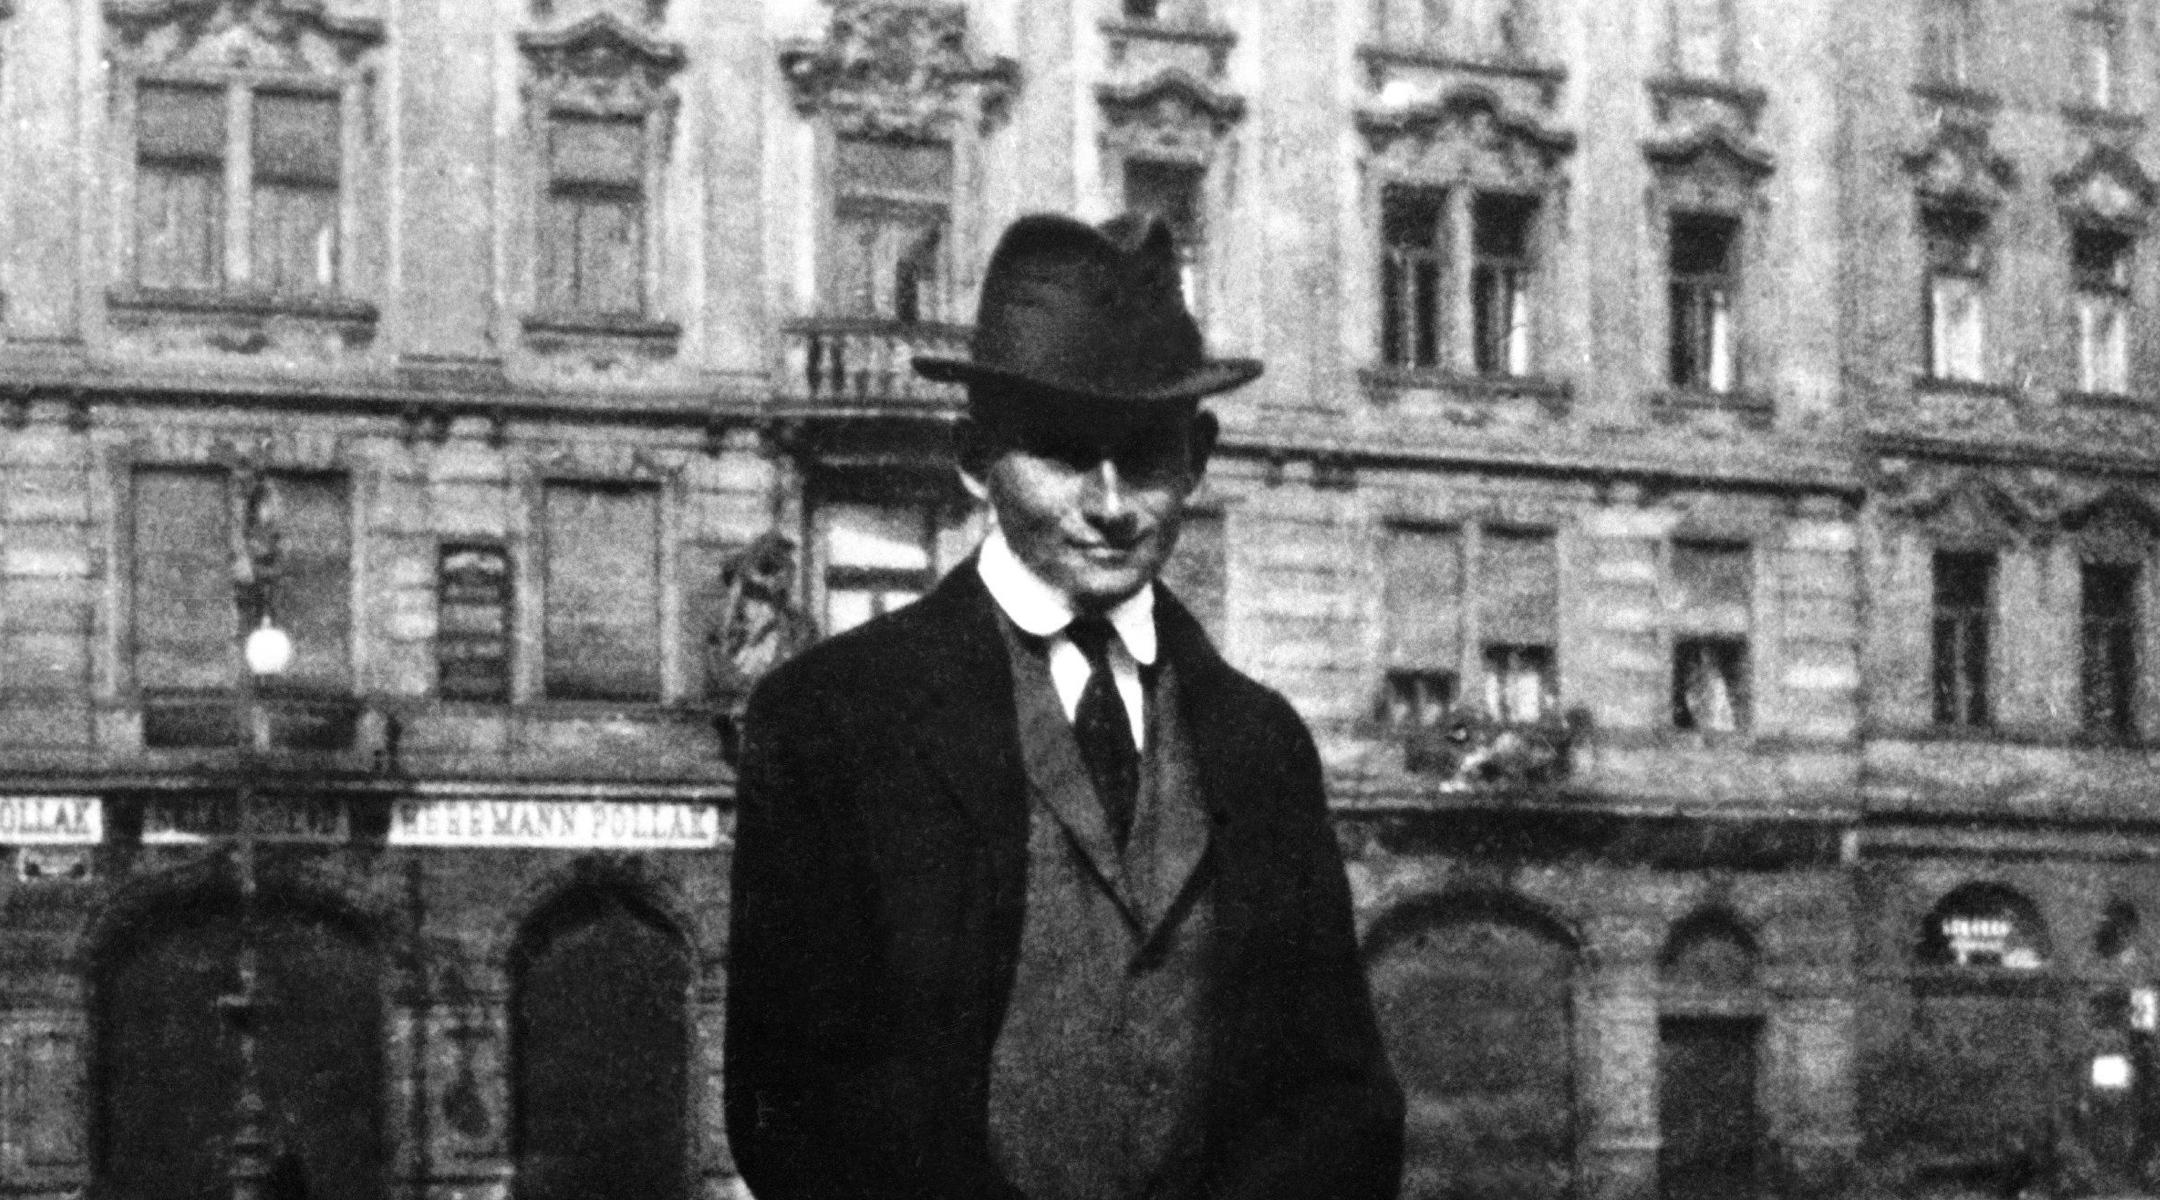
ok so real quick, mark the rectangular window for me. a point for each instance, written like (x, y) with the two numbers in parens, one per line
(1411, 219)
(2100, 268)
(2098, 34)
(1949, 38)
(311, 594)
(1964, 614)
(1518, 586)
(893, 204)
(1500, 282)
(1702, 264)
(2109, 629)
(878, 557)
(1956, 293)
(186, 618)
(1710, 684)
(602, 615)
(592, 218)
(180, 147)
(1172, 191)
(294, 203)
(1421, 598)
(472, 622)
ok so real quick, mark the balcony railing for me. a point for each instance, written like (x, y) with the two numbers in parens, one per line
(867, 360)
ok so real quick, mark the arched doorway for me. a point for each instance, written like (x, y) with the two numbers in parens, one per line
(167, 1071)
(1474, 997)
(600, 1037)
(1710, 1125)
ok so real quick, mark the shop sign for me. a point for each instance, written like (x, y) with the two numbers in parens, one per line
(568, 824)
(176, 821)
(51, 820)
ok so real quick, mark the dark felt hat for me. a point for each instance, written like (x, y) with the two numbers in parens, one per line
(1090, 313)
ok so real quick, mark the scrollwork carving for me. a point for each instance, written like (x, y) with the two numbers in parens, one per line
(1170, 113)
(1468, 134)
(894, 69)
(602, 65)
(2107, 188)
(282, 35)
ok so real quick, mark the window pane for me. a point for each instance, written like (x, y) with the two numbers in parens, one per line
(1171, 191)
(607, 151)
(1710, 684)
(916, 171)
(1702, 245)
(1521, 685)
(609, 234)
(603, 596)
(1712, 584)
(179, 226)
(1518, 588)
(186, 624)
(312, 596)
(2110, 634)
(175, 123)
(472, 623)
(295, 228)
(296, 138)
(1422, 597)
(1963, 610)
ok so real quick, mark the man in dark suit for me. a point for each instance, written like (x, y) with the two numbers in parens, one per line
(1035, 896)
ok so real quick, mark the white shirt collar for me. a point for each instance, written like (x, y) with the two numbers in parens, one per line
(1043, 611)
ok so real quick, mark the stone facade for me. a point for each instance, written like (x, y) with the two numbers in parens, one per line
(1702, 495)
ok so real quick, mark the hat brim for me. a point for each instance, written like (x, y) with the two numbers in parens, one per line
(1208, 379)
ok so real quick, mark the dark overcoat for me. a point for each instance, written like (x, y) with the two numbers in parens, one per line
(879, 874)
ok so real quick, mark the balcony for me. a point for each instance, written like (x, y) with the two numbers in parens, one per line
(864, 362)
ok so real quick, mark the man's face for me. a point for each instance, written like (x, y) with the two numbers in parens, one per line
(1090, 497)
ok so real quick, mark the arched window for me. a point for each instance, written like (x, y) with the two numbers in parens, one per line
(1984, 925)
(600, 1036)
(1710, 1123)
(1708, 953)
(167, 1072)
(1474, 999)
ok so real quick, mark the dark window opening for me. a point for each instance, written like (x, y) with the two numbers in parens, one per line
(1964, 605)
(1172, 192)
(1416, 699)
(592, 222)
(1710, 684)
(1500, 282)
(2109, 626)
(1702, 283)
(1410, 225)
(892, 204)
(472, 623)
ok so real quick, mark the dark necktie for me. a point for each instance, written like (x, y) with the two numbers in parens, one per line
(1104, 729)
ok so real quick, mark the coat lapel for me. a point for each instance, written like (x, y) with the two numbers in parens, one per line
(957, 711)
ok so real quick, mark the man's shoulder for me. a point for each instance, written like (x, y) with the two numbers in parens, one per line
(880, 662)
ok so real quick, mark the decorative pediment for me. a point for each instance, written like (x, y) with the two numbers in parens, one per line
(1467, 134)
(633, 12)
(603, 64)
(1169, 113)
(2106, 187)
(267, 35)
(1966, 506)
(1710, 167)
(892, 68)
(1960, 166)
(2117, 524)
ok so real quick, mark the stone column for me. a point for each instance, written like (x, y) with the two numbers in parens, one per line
(1618, 1037)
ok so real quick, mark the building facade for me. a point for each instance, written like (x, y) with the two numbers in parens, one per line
(1703, 495)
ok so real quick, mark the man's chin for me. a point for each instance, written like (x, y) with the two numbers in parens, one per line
(1097, 586)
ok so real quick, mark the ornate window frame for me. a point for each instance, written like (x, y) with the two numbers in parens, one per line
(240, 47)
(599, 67)
(1174, 117)
(1712, 170)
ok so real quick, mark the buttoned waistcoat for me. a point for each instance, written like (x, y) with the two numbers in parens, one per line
(877, 900)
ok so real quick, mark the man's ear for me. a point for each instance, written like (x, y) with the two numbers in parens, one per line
(1205, 430)
(972, 453)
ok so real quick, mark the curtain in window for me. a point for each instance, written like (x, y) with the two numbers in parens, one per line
(294, 215)
(2103, 352)
(1709, 690)
(1957, 327)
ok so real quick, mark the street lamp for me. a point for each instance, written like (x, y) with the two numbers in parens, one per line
(267, 651)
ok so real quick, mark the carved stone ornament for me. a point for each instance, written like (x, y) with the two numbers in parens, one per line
(1959, 166)
(603, 65)
(1171, 112)
(643, 12)
(2107, 187)
(264, 35)
(1469, 750)
(1709, 168)
(1468, 134)
(896, 69)
(1993, 507)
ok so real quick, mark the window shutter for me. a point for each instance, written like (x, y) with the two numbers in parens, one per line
(313, 591)
(1712, 586)
(1423, 597)
(186, 621)
(602, 622)
(1518, 588)
(472, 623)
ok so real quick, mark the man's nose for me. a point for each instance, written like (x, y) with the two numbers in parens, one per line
(1106, 498)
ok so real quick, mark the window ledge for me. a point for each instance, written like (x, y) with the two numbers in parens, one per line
(549, 329)
(1217, 37)
(1985, 102)
(1737, 400)
(2092, 116)
(2107, 400)
(1378, 55)
(1746, 97)
(247, 304)
(1385, 382)
(1940, 385)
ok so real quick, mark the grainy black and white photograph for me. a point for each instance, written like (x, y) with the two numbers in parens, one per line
(1079, 600)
